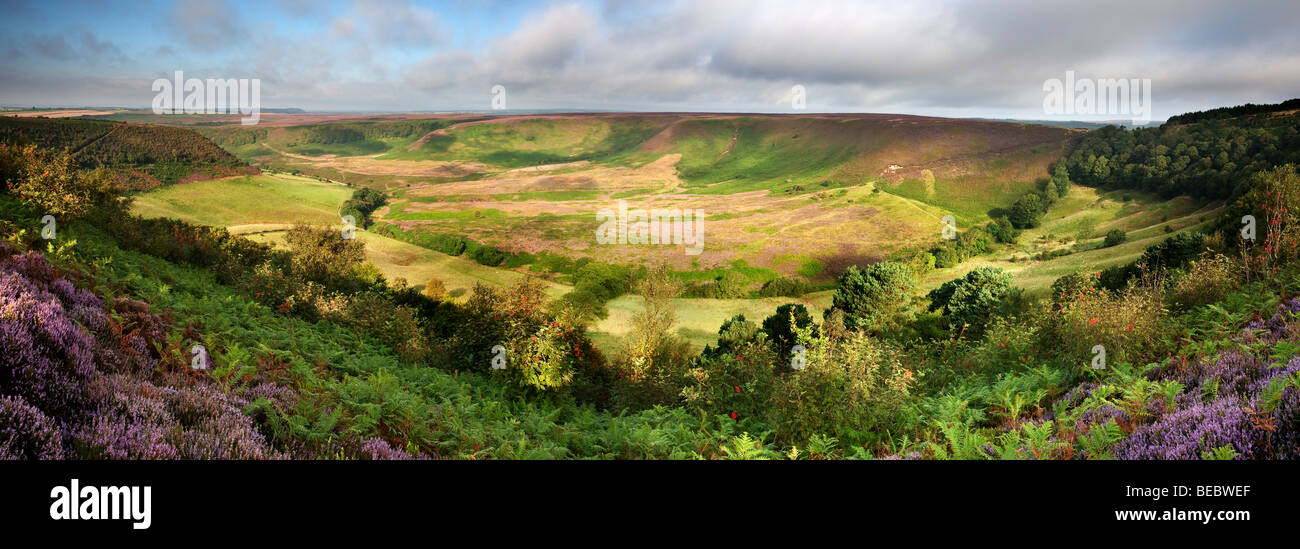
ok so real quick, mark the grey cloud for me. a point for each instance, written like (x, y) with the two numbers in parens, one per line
(209, 24)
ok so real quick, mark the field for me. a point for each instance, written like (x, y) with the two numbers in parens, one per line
(783, 196)
(245, 201)
(779, 192)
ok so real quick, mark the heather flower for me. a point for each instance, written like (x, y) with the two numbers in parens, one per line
(26, 433)
(1185, 433)
(45, 357)
(378, 448)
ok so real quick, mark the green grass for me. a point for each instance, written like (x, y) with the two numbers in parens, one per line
(1085, 211)
(246, 200)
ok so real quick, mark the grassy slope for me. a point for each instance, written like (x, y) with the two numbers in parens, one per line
(1083, 217)
(976, 166)
(264, 206)
(244, 200)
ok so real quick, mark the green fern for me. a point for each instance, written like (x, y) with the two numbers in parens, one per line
(1099, 438)
(1225, 452)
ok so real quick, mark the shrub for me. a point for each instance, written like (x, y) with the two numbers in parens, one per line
(1130, 323)
(972, 299)
(851, 389)
(1206, 281)
(1025, 212)
(1114, 237)
(653, 358)
(1174, 252)
(731, 285)
(784, 287)
(485, 254)
(1073, 286)
(781, 326)
(434, 289)
(945, 257)
(51, 182)
(322, 254)
(735, 379)
(1003, 231)
(875, 296)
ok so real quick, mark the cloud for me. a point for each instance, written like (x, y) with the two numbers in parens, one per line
(54, 47)
(389, 24)
(209, 24)
(956, 57)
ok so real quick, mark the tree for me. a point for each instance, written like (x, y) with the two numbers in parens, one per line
(781, 326)
(1003, 231)
(1061, 179)
(322, 254)
(52, 183)
(1174, 252)
(1026, 211)
(434, 289)
(1114, 237)
(651, 334)
(873, 296)
(974, 298)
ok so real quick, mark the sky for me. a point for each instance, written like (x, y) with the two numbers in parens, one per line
(960, 58)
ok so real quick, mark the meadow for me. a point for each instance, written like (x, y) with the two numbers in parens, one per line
(801, 197)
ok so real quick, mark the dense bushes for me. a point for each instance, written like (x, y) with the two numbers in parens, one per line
(1114, 237)
(972, 299)
(485, 254)
(874, 297)
(329, 134)
(784, 287)
(595, 283)
(1206, 155)
(448, 244)
(52, 184)
(363, 203)
(731, 284)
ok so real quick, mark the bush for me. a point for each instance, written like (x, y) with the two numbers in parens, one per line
(51, 183)
(735, 379)
(434, 289)
(1129, 324)
(485, 254)
(322, 254)
(781, 327)
(1003, 231)
(974, 298)
(852, 389)
(1073, 286)
(944, 258)
(784, 287)
(873, 297)
(731, 285)
(1114, 237)
(1206, 281)
(1025, 212)
(1174, 252)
